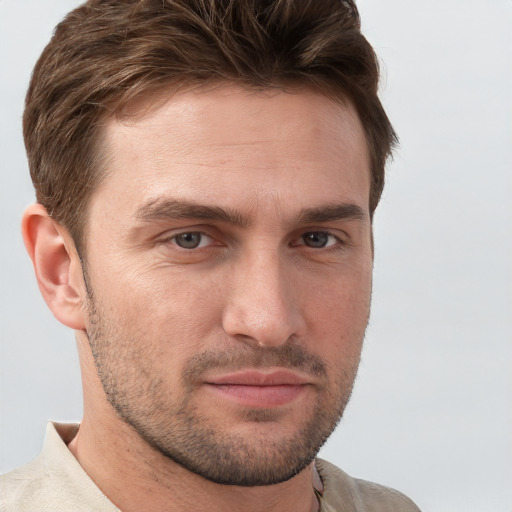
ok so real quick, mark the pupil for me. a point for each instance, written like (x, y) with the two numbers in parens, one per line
(316, 239)
(188, 240)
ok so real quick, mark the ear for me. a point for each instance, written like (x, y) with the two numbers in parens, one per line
(57, 265)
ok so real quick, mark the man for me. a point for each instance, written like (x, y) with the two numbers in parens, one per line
(206, 175)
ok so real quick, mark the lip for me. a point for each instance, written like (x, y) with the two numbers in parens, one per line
(279, 377)
(259, 389)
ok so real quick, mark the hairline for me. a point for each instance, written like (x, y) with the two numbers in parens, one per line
(150, 100)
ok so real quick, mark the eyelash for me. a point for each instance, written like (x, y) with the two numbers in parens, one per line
(337, 240)
(172, 239)
(337, 245)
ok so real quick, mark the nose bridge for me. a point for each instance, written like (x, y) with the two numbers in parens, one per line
(262, 305)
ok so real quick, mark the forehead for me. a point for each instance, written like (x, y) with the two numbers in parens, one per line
(232, 145)
(231, 115)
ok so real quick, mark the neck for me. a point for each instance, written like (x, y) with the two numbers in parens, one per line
(136, 477)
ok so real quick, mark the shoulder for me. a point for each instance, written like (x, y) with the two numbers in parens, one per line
(37, 486)
(19, 486)
(54, 481)
(342, 493)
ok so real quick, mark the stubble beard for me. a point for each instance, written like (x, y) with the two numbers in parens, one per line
(184, 434)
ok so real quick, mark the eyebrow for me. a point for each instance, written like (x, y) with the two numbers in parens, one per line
(172, 209)
(162, 209)
(331, 212)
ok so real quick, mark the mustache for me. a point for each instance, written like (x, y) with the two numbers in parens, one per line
(286, 356)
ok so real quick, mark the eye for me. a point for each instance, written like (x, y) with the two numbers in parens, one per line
(319, 239)
(191, 240)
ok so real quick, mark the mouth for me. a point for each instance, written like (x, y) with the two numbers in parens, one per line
(259, 389)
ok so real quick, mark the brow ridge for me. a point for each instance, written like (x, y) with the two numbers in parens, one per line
(178, 209)
(332, 212)
(162, 209)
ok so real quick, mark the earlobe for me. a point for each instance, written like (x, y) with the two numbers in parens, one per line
(57, 265)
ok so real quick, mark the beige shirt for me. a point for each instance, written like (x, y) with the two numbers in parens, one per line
(55, 482)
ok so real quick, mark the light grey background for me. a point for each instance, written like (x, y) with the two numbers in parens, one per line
(432, 409)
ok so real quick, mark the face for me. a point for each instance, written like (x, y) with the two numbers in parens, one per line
(228, 268)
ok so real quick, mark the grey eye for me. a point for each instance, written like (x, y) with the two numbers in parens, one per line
(188, 240)
(316, 239)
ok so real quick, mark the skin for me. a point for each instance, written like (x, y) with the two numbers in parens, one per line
(280, 282)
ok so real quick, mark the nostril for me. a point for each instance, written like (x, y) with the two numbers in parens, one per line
(264, 328)
(262, 308)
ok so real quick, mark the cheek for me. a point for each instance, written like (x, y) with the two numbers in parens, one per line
(338, 313)
(170, 311)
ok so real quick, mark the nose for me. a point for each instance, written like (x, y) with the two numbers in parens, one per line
(263, 303)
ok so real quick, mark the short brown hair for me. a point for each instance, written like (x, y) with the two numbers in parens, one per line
(106, 53)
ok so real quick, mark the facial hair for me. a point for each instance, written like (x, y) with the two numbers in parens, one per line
(169, 421)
